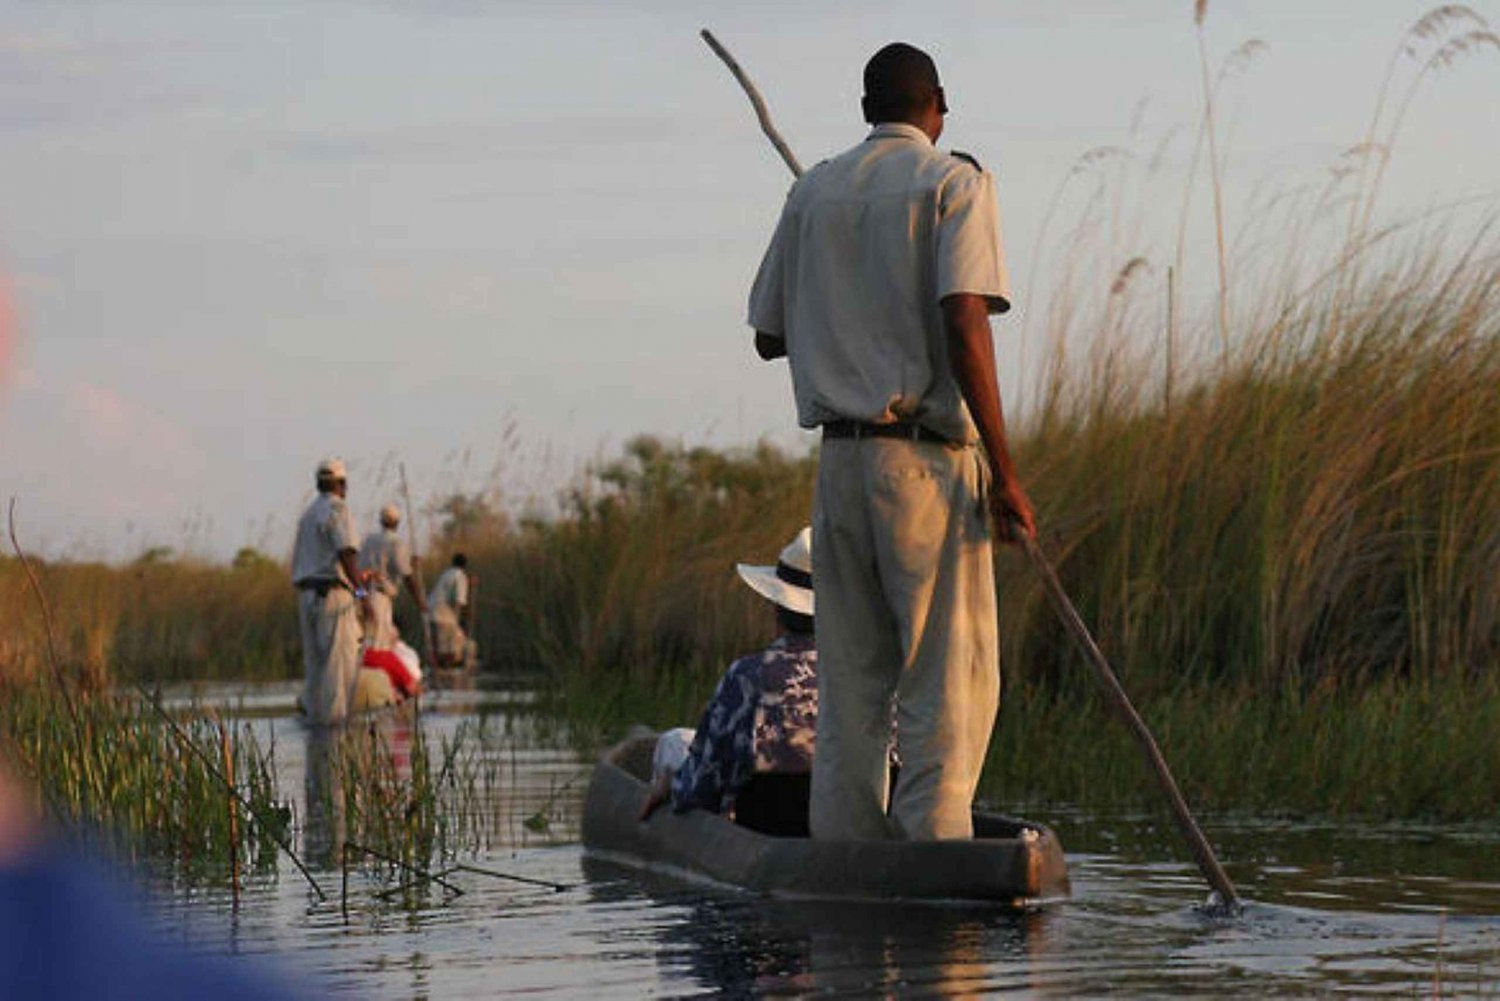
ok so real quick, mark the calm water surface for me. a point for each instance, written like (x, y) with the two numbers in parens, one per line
(1397, 910)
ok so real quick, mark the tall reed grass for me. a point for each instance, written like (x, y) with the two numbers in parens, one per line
(385, 791)
(1295, 566)
(199, 794)
(1287, 536)
(1321, 511)
(1286, 533)
(111, 768)
(635, 576)
(1324, 510)
(1392, 749)
(152, 620)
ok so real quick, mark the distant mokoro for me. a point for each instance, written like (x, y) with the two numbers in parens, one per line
(1008, 863)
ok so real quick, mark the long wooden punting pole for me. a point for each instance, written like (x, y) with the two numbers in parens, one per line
(756, 102)
(429, 646)
(1203, 853)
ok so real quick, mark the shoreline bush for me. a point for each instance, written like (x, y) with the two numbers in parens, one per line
(151, 621)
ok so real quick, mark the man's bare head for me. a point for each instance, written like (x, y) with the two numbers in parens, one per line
(901, 85)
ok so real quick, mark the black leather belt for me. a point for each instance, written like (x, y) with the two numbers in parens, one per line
(911, 431)
(322, 585)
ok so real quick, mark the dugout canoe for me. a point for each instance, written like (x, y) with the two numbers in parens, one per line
(374, 695)
(1008, 863)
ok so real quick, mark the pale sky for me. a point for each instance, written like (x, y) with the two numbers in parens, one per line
(496, 239)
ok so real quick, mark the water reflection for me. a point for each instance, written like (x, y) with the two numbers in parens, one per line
(744, 946)
(394, 732)
(323, 827)
(1354, 908)
(387, 737)
(891, 951)
(452, 680)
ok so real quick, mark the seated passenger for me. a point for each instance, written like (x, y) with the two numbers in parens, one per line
(763, 717)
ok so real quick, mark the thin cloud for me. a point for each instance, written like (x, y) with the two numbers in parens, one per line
(107, 419)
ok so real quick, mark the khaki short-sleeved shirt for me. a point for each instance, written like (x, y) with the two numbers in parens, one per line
(326, 528)
(386, 554)
(868, 245)
(451, 589)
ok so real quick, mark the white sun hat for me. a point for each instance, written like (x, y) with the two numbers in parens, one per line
(333, 468)
(790, 582)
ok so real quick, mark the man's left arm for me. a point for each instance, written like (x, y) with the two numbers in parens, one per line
(971, 352)
(972, 284)
(346, 542)
(349, 560)
(461, 600)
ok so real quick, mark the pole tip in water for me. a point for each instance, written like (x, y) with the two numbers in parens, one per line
(1216, 906)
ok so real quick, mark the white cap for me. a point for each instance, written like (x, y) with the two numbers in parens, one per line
(789, 583)
(333, 468)
(390, 515)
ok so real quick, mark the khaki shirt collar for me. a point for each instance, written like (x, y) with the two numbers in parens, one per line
(899, 130)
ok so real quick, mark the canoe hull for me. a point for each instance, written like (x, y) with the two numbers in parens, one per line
(1008, 863)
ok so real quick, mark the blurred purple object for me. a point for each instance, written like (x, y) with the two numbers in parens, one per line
(69, 930)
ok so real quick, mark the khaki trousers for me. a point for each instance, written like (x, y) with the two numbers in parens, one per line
(330, 653)
(906, 611)
(447, 633)
(383, 634)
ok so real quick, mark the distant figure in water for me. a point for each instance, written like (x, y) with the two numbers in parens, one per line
(330, 596)
(448, 605)
(386, 558)
(762, 720)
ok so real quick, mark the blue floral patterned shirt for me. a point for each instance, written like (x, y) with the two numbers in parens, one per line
(763, 717)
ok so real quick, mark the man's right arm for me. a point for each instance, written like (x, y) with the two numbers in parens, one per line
(767, 312)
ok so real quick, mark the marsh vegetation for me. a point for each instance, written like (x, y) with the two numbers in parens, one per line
(1276, 502)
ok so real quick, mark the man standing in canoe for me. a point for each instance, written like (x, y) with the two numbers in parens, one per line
(877, 287)
(330, 594)
(385, 556)
(448, 612)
